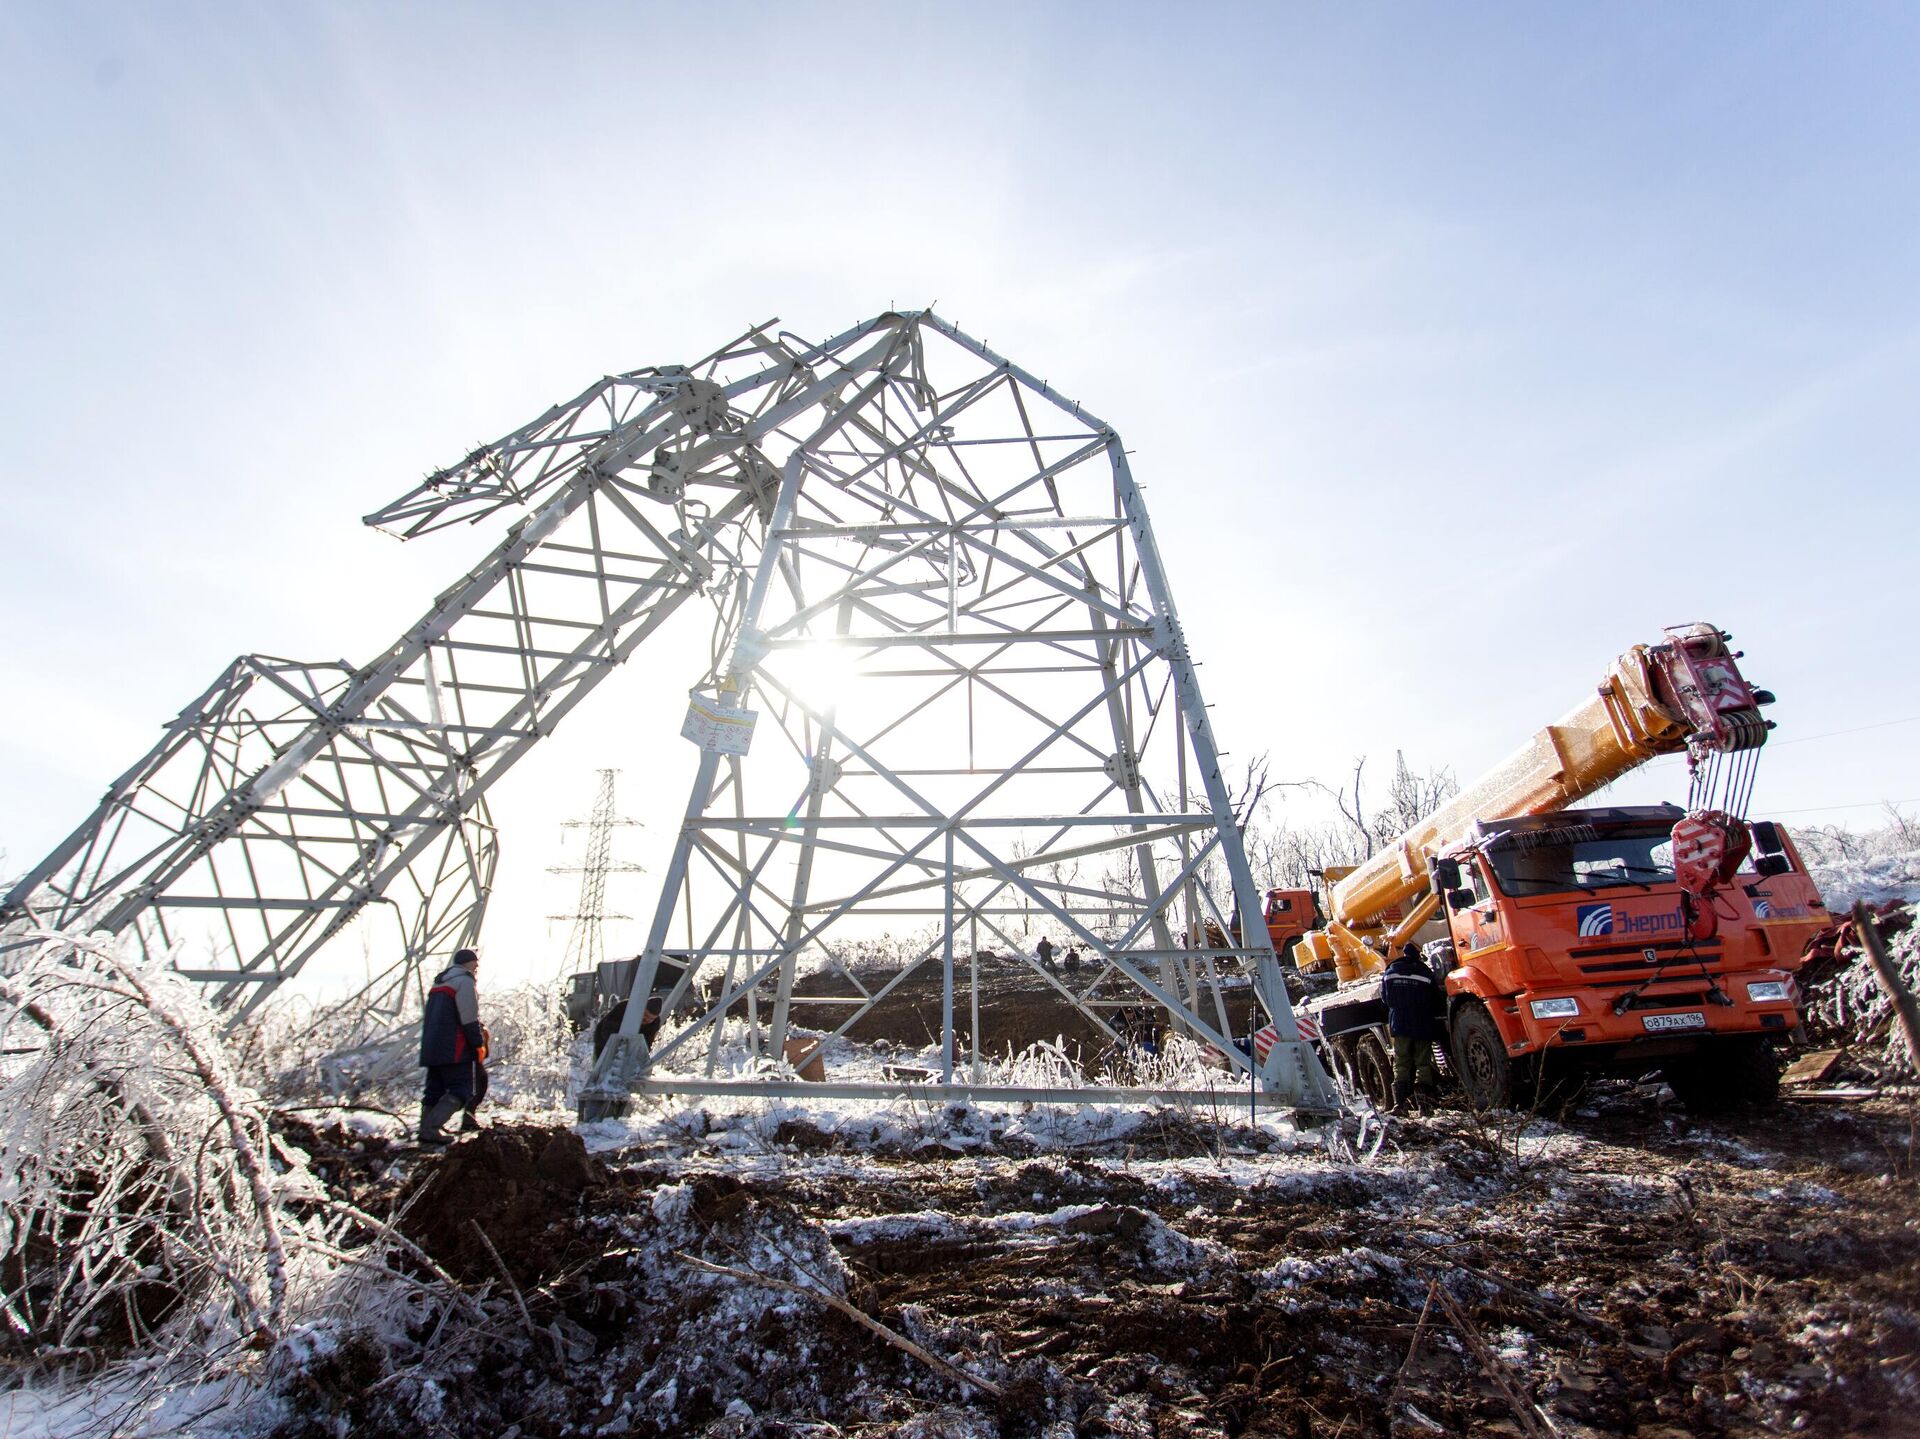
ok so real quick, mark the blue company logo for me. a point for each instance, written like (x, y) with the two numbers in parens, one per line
(1762, 908)
(1595, 920)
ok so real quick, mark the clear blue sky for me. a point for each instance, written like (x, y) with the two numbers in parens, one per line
(1459, 346)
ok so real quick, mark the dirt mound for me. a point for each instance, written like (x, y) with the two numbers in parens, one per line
(520, 1186)
(363, 1169)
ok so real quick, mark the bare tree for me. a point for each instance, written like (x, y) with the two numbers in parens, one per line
(1354, 813)
(1252, 790)
(1905, 830)
(1291, 856)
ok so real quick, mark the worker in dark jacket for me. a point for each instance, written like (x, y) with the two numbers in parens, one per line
(610, 1022)
(452, 1046)
(1412, 996)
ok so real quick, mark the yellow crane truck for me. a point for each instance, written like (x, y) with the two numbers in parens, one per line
(1618, 939)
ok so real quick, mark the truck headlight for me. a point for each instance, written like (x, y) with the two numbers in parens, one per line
(1555, 1008)
(1762, 990)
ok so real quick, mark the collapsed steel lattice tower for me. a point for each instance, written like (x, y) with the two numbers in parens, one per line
(935, 584)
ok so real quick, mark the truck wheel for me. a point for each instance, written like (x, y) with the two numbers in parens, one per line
(1737, 1074)
(1480, 1057)
(1373, 1070)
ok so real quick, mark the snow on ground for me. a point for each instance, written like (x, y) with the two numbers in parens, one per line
(134, 1401)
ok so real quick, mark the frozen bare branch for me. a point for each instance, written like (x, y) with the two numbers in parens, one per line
(144, 1208)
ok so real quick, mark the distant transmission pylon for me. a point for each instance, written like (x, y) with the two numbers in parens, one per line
(586, 944)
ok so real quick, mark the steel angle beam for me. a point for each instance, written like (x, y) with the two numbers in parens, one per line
(1224, 1098)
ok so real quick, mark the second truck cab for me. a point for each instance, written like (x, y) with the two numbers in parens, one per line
(1290, 914)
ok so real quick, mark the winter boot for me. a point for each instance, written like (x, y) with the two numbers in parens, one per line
(1402, 1096)
(432, 1133)
(468, 1123)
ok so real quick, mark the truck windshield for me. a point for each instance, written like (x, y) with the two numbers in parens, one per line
(1580, 857)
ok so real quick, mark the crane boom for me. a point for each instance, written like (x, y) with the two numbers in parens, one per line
(1684, 694)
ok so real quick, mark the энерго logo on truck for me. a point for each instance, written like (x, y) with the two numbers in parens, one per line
(1594, 920)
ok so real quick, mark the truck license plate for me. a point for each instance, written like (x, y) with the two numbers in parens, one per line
(1657, 1022)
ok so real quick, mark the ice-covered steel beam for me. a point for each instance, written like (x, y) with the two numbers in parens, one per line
(1212, 1101)
(279, 811)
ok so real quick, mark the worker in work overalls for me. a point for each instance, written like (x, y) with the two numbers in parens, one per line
(452, 1046)
(1412, 996)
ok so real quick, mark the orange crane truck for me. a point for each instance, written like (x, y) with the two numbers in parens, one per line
(1618, 939)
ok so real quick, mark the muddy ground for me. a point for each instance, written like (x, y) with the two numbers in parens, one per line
(1630, 1271)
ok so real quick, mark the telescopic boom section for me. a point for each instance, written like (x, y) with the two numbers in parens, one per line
(1685, 694)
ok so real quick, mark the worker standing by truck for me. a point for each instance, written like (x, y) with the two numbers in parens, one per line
(452, 1045)
(1412, 999)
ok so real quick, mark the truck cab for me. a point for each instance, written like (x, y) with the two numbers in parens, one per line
(1290, 914)
(592, 992)
(1572, 947)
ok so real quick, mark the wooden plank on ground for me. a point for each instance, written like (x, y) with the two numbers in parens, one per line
(1814, 1067)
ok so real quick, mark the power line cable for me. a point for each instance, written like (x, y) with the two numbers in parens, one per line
(1669, 761)
(1857, 729)
(1862, 804)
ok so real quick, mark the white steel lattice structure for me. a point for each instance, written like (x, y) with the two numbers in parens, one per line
(290, 797)
(264, 822)
(933, 579)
